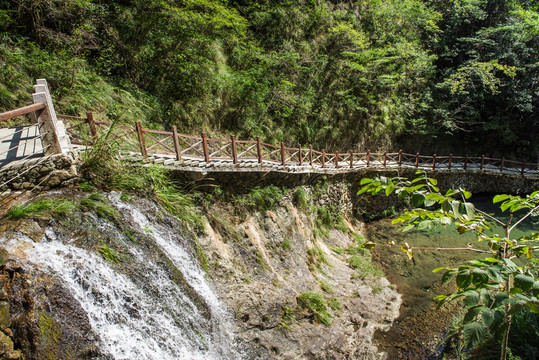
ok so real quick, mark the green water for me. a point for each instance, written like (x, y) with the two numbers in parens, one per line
(419, 326)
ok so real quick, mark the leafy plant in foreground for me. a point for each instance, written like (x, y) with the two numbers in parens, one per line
(492, 289)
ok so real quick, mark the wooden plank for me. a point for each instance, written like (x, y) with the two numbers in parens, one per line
(259, 149)
(22, 111)
(91, 123)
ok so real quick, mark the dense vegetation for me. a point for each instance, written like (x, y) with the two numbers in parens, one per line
(337, 74)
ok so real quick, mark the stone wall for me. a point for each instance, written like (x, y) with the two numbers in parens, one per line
(42, 173)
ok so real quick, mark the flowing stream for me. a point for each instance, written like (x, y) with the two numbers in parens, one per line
(141, 310)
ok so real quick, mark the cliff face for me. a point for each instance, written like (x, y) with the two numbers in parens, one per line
(264, 262)
(119, 277)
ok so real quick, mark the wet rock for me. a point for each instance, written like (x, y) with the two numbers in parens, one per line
(6, 344)
(11, 355)
(5, 318)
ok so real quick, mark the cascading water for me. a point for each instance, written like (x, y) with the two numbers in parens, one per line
(141, 310)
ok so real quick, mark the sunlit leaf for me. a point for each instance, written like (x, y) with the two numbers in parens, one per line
(500, 197)
(369, 245)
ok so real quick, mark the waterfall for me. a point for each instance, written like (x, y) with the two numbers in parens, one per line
(147, 313)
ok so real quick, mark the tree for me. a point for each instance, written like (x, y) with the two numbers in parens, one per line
(492, 288)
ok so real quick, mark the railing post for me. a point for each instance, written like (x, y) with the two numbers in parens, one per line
(385, 158)
(400, 158)
(311, 155)
(417, 160)
(205, 147)
(323, 158)
(259, 149)
(522, 169)
(283, 157)
(449, 163)
(52, 137)
(368, 157)
(482, 162)
(234, 150)
(501, 167)
(91, 123)
(176, 143)
(434, 162)
(351, 159)
(465, 162)
(336, 159)
(141, 141)
(300, 153)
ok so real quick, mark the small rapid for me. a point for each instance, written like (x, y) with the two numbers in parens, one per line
(140, 310)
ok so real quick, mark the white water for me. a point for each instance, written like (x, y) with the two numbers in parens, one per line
(148, 316)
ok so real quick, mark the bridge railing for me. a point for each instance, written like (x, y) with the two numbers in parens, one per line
(180, 146)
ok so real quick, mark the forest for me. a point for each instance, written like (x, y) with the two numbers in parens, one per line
(435, 76)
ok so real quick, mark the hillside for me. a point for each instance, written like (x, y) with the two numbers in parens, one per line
(429, 76)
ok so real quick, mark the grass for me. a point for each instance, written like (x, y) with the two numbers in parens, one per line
(109, 253)
(42, 207)
(286, 244)
(317, 305)
(101, 205)
(262, 198)
(364, 267)
(325, 287)
(315, 259)
(301, 198)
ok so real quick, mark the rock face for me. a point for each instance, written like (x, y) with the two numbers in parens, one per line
(298, 288)
(262, 262)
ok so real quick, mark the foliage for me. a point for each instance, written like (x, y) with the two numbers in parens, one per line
(104, 167)
(262, 198)
(42, 207)
(109, 253)
(493, 289)
(317, 305)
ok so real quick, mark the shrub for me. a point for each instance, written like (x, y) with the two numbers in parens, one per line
(315, 303)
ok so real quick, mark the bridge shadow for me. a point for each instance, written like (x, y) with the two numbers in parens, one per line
(21, 142)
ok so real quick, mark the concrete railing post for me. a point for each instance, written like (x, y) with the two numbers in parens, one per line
(54, 141)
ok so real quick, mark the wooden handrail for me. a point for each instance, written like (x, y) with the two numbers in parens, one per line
(21, 111)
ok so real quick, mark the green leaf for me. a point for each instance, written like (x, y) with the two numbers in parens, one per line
(448, 276)
(470, 210)
(418, 199)
(499, 198)
(445, 220)
(464, 279)
(533, 306)
(433, 181)
(494, 274)
(523, 282)
(455, 207)
(510, 265)
(535, 288)
(407, 227)
(365, 181)
(389, 189)
(472, 299)
(480, 277)
(438, 269)
(473, 334)
(499, 298)
(487, 317)
(472, 313)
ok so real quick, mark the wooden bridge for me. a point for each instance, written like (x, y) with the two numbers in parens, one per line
(200, 153)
